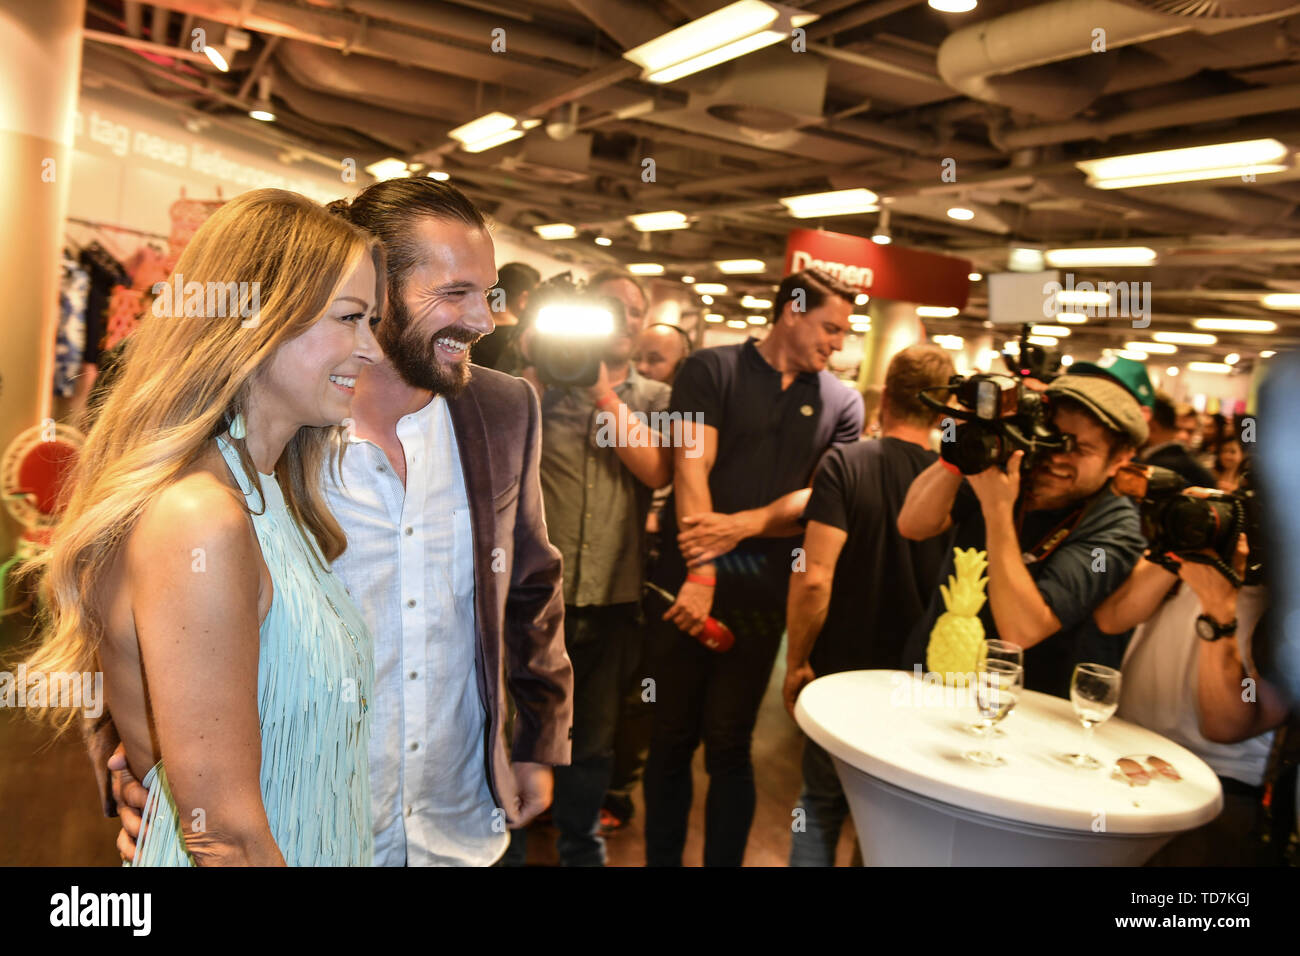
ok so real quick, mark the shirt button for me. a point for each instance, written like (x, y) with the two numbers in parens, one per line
(409, 532)
(411, 603)
(410, 810)
(381, 468)
(414, 675)
(415, 746)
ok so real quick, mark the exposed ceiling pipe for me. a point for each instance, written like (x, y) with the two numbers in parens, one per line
(1229, 106)
(404, 133)
(629, 22)
(982, 60)
(364, 78)
(474, 27)
(148, 46)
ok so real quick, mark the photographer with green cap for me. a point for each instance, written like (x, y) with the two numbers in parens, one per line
(1059, 539)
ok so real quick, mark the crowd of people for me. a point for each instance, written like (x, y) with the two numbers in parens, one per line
(431, 601)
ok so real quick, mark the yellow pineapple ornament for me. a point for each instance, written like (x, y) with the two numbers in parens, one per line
(957, 646)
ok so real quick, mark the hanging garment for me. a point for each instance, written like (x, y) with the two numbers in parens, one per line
(105, 273)
(70, 343)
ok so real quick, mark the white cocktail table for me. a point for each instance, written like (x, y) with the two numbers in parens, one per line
(916, 801)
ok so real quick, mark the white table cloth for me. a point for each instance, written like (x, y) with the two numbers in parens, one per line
(898, 742)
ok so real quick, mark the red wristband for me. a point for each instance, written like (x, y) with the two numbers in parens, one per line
(606, 400)
(701, 579)
(951, 467)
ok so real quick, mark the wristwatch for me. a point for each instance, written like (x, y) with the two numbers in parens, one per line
(1208, 629)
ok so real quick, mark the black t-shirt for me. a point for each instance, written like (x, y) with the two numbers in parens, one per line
(883, 581)
(769, 443)
(1089, 564)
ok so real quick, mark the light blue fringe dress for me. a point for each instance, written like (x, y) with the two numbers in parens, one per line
(315, 668)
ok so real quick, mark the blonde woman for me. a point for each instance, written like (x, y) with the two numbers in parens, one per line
(192, 561)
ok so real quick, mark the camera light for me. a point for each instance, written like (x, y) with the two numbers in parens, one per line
(575, 320)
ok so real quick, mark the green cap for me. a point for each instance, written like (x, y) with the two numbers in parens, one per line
(1129, 373)
(1108, 400)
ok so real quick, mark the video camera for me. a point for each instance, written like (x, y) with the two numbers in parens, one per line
(572, 327)
(1002, 417)
(1032, 360)
(1186, 521)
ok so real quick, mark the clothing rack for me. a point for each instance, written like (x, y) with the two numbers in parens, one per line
(126, 229)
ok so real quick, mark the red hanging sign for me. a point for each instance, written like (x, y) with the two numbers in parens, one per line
(883, 272)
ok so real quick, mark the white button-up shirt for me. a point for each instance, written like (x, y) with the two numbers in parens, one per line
(409, 565)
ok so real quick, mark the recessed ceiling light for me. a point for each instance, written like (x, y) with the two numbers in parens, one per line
(688, 279)
(265, 115)
(1232, 358)
(658, 221)
(711, 288)
(974, 277)
(604, 241)
(961, 213)
(1185, 338)
(1281, 300)
(645, 269)
(1172, 370)
(556, 230)
(1267, 353)
(1083, 258)
(1217, 161)
(740, 266)
(390, 168)
(439, 175)
(756, 319)
(1151, 348)
(839, 202)
(1217, 368)
(953, 343)
(953, 6)
(737, 323)
(936, 312)
(749, 302)
(861, 299)
(1057, 331)
(707, 299)
(1236, 325)
(1067, 360)
(713, 317)
(1071, 318)
(1048, 341)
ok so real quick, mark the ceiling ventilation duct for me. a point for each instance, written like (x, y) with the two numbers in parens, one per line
(1017, 60)
(549, 160)
(1215, 8)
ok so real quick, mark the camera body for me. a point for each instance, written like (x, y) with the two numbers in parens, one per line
(1187, 521)
(572, 328)
(1001, 417)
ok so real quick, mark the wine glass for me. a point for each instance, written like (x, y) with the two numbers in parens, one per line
(1094, 691)
(999, 651)
(997, 687)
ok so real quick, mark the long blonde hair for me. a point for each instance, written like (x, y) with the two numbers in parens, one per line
(183, 379)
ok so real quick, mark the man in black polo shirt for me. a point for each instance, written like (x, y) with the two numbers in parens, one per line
(864, 586)
(1042, 585)
(769, 411)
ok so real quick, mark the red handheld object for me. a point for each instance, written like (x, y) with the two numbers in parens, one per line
(715, 635)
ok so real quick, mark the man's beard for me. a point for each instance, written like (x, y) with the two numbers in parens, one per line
(416, 359)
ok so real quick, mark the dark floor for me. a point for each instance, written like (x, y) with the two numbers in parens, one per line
(49, 815)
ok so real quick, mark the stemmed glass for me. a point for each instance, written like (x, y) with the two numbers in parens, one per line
(1094, 691)
(997, 687)
(998, 651)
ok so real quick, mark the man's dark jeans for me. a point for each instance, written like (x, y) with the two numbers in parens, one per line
(599, 641)
(704, 695)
